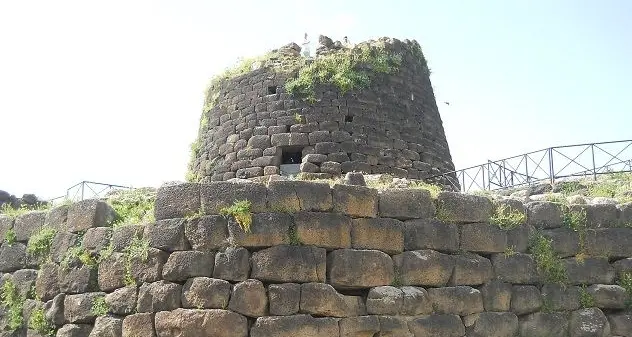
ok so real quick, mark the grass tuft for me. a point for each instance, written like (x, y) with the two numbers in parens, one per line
(99, 306)
(10, 237)
(586, 300)
(507, 218)
(547, 260)
(625, 281)
(40, 243)
(39, 323)
(240, 210)
(133, 206)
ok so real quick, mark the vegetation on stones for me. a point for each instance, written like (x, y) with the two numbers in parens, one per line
(39, 323)
(510, 251)
(134, 206)
(138, 249)
(10, 237)
(293, 235)
(99, 306)
(625, 281)
(586, 300)
(547, 305)
(11, 212)
(507, 218)
(552, 197)
(78, 253)
(547, 261)
(192, 216)
(240, 210)
(40, 243)
(13, 303)
(576, 220)
(397, 279)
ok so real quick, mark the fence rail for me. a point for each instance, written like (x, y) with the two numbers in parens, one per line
(87, 190)
(550, 164)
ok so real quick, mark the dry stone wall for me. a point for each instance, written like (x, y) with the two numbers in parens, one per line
(322, 261)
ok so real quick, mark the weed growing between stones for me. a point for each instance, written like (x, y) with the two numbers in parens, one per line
(547, 305)
(133, 207)
(298, 118)
(240, 210)
(625, 281)
(39, 323)
(13, 302)
(138, 249)
(586, 300)
(192, 216)
(576, 220)
(99, 306)
(555, 198)
(9, 237)
(293, 235)
(510, 251)
(40, 243)
(433, 189)
(78, 253)
(507, 218)
(397, 280)
(547, 260)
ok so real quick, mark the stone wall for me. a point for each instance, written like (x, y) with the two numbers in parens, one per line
(252, 124)
(326, 261)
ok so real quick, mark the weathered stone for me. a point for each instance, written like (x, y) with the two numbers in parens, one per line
(206, 293)
(369, 233)
(347, 268)
(517, 268)
(266, 230)
(355, 201)
(622, 267)
(423, 268)
(207, 233)
(518, 238)
(55, 218)
(327, 230)
(54, 310)
(167, 235)
(97, 238)
(77, 278)
(483, 238)
(198, 323)
(289, 264)
(233, 264)
(394, 326)
(122, 301)
(24, 280)
(496, 295)
(297, 325)
(437, 326)
(111, 272)
(138, 325)
(150, 269)
(107, 326)
(541, 324)
(471, 269)
(491, 324)
(406, 203)
(315, 158)
(249, 298)
(610, 242)
(284, 299)
(295, 195)
(354, 178)
(47, 284)
(589, 271)
(78, 308)
(331, 167)
(598, 215)
(620, 324)
(460, 300)
(322, 299)
(289, 139)
(608, 296)
(123, 236)
(62, 242)
(28, 224)
(309, 167)
(89, 213)
(416, 301)
(463, 208)
(564, 241)
(219, 194)
(360, 326)
(561, 298)
(544, 214)
(259, 142)
(177, 200)
(588, 322)
(158, 296)
(74, 330)
(6, 223)
(385, 300)
(431, 234)
(183, 265)
(525, 300)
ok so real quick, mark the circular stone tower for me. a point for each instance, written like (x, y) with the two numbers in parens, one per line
(367, 107)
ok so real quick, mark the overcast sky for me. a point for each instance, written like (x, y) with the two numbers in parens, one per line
(111, 91)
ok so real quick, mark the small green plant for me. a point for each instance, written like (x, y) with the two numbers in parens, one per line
(298, 118)
(625, 281)
(11, 212)
(510, 251)
(293, 235)
(547, 260)
(397, 280)
(576, 220)
(569, 187)
(556, 198)
(507, 218)
(10, 237)
(586, 300)
(433, 189)
(133, 207)
(13, 303)
(99, 306)
(81, 254)
(547, 305)
(39, 323)
(137, 250)
(240, 210)
(40, 243)
(200, 213)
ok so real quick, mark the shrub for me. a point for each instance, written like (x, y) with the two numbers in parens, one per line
(13, 303)
(507, 218)
(547, 260)
(240, 210)
(586, 300)
(133, 206)
(39, 323)
(99, 306)
(40, 243)
(10, 237)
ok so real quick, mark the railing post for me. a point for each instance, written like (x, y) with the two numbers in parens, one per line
(551, 168)
(83, 184)
(592, 149)
(526, 169)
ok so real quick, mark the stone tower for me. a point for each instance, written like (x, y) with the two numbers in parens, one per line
(368, 107)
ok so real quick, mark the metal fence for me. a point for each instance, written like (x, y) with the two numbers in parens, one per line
(550, 164)
(88, 190)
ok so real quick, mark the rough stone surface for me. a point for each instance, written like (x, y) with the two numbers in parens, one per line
(233, 264)
(322, 299)
(471, 269)
(438, 326)
(197, 323)
(460, 300)
(289, 264)
(177, 200)
(544, 324)
(497, 295)
(430, 234)
(137, 325)
(89, 213)
(107, 326)
(423, 268)
(74, 330)
(355, 201)
(78, 308)
(517, 268)
(28, 224)
(158, 296)
(296, 325)
(249, 298)
(183, 265)
(369, 233)
(284, 299)
(525, 299)
(122, 301)
(491, 324)
(463, 208)
(543, 214)
(589, 322)
(608, 296)
(385, 300)
(350, 268)
(207, 233)
(167, 235)
(409, 203)
(296, 195)
(330, 231)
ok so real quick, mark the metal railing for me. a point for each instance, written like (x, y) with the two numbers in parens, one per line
(550, 164)
(88, 190)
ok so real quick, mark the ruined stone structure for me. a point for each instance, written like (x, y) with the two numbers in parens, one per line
(257, 124)
(306, 259)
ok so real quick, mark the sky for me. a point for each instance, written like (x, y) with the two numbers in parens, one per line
(111, 91)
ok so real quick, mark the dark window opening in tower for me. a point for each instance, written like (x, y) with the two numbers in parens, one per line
(272, 90)
(292, 156)
(348, 119)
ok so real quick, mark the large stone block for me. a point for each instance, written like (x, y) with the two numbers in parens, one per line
(385, 300)
(588, 322)
(289, 139)
(431, 234)
(599, 215)
(471, 269)
(416, 301)
(321, 299)
(460, 300)
(233, 264)
(62, 242)
(289, 264)
(107, 326)
(177, 201)
(297, 325)
(158, 296)
(423, 268)
(483, 238)
(591, 270)
(266, 230)
(620, 324)
(437, 326)
(77, 278)
(360, 326)
(122, 301)
(625, 214)
(350, 268)
(284, 299)
(394, 326)
(199, 323)
(355, 201)
(54, 310)
(327, 230)
(608, 296)
(96, 239)
(6, 223)
(525, 300)
(78, 308)
(89, 213)
(207, 293)
(370, 233)
(518, 238)
(207, 233)
(249, 298)
(610, 242)
(12, 257)
(167, 235)
(219, 194)
(123, 236)
(47, 284)
(150, 269)
(406, 203)
(111, 272)
(181, 266)
(28, 224)
(542, 324)
(518, 268)
(455, 207)
(74, 330)
(564, 241)
(491, 324)
(138, 325)
(561, 298)
(296, 195)
(544, 214)
(496, 295)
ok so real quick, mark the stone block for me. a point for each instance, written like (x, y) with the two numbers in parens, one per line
(318, 137)
(314, 158)
(207, 233)
(599, 215)
(158, 296)
(360, 326)
(431, 234)
(77, 278)
(369, 233)
(167, 235)
(385, 300)
(233, 264)
(106, 326)
(608, 296)
(12, 257)
(111, 272)
(266, 161)
(518, 238)
(589, 271)
(355, 201)
(483, 238)
(620, 324)
(496, 295)
(25, 280)
(78, 308)
(284, 299)
(463, 208)
(206, 293)
(561, 298)
(327, 230)
(438, 326)
(338, 157)
(416, 301)
(459, 300)
(270, 170)
(54, 310)
(219, 194)
(518, 268)
(525, 300)
(74, 330)
(289, 264)
(177, 200)
(96, 239)
(331, 167)
(123, 236)
(249, 298)
(28, 224)
(122, 301)
(62, 242)
(294, 195)
(296, 325)
(289, 139)
(491, 324)
(544, 214)
(197, 323)
(471, 269)
(321, 299)
(406, 203)
(423, 268)
(394, 326)
(89, 213)
(327, 147)
(150, 269)
(259, 142)
(6, 223)
(542, 324)
(181, 266)
(138, 325)
(610, 242)
(347, 268)
(266, 230)
(588, 322)
(47, 283)
(309, 167)
(564, 241)
(55, 218)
